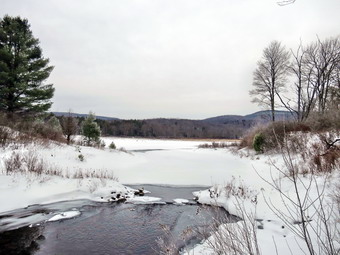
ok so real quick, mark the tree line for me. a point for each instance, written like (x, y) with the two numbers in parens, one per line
(92, 128)
(173, 128)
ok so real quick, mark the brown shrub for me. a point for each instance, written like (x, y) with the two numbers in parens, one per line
(248, 138)
(13, 164)
(33, 163)
(320, 122)
(317, 161)
(216, 145)
(298, 126)
(3, 119)
(28, 163)
(274, 134)
(325, 163)
(321, 157)
(43, 131)
(4, 136)
(330, 160)
(30, 129)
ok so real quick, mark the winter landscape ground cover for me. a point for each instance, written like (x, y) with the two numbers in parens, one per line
(240, 181)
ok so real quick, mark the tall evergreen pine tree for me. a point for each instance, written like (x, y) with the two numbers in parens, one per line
(23, 69)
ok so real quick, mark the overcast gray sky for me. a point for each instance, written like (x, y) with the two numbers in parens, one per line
(165, 58)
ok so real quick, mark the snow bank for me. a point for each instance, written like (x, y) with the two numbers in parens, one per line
(19, 191)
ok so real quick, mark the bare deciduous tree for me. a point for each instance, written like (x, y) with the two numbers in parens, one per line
(296, 104)
(270, 75)
(321, 61)
(69, 125)
(316, 72)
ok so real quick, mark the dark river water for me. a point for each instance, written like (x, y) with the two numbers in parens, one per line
(109, 228)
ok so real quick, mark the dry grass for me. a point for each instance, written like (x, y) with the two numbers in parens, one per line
(239, 190)
(5, 136)
(91, 173)
(217, 145)
(30, 162)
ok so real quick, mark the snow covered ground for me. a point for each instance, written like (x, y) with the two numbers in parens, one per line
(172, 162)
(151, 144)
(146, 161)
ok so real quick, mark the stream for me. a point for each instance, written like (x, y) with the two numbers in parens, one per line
(109, 228)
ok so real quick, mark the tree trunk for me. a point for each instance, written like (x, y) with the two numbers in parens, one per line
(273, 111)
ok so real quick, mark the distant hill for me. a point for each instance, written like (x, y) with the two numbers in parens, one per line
(266, 115)
(82, 115)
(261, 116)
(257, 117)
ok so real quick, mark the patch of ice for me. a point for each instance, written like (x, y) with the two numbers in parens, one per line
(65, 215)
(144, 200)
(181, 201)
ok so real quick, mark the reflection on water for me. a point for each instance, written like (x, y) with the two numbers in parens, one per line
(37, 213)
(26, 240)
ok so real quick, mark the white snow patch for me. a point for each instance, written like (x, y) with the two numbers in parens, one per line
(144, 200)
(181, 201)
(151, 144)
(65, 215)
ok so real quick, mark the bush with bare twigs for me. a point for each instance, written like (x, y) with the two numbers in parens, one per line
(238, 238)
(272, 134)
(311, 214)
(28, 129)
(5, 136)
(13, 164)
(28, 163)
(320, 122)
(318, 153)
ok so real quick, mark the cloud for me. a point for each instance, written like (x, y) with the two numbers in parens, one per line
(157, 58)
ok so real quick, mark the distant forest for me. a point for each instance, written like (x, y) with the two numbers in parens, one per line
(227, 126)
(173, 128)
